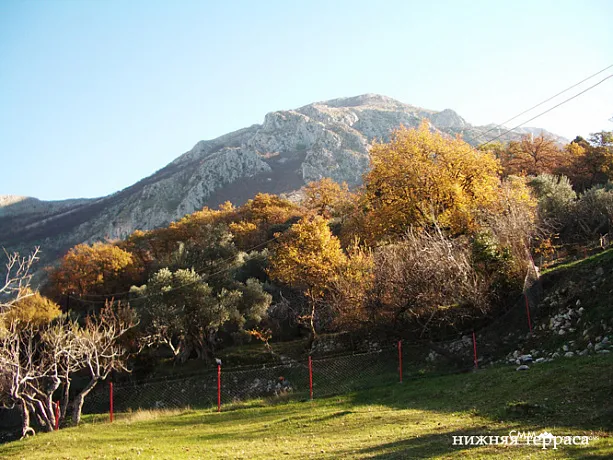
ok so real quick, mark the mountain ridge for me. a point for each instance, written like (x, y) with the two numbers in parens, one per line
(290, 148)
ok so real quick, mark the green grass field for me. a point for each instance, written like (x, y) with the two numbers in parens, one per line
(416, 419)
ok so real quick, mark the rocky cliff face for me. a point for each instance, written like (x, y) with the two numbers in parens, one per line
(324, 139)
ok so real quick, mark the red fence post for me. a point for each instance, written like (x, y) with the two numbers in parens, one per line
(475, 359)
(111, 410)
(528, 312)
(311, 377)
(57, 415)
(219, 388)
(400, 359)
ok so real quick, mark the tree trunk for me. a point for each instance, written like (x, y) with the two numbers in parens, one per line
(312, 332)
(25, 420)
(66, 399)
(78, 402)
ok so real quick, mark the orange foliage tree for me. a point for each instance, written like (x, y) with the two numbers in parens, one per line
(532, 156)
(95, 269)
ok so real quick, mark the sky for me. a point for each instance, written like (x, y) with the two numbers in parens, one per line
(96, 95)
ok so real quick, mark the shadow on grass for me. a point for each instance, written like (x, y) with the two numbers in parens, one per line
(439, 444)
(572, 393)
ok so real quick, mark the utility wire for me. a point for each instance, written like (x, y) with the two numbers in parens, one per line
(118, 294)
(544, 102)
(547, 111)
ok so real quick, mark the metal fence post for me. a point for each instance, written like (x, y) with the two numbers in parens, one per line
(475, 359)
(528, 312)
(57, 415)
(219, 388)
(400, 360)
(311, 377)
(111, 401)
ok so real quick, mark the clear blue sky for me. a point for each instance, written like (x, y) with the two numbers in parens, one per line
(95, 95)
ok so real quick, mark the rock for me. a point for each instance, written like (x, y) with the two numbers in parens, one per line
(578, 303)
(605, 341)
(603, 352)
(525, 359)
(583, 353)
(555, 355)
(570, 354)
(590, 345)
(540, 360)
(581, 310)
(523, 367)
(598, 347)
(565, 347)
(561, 332)
(516, 354)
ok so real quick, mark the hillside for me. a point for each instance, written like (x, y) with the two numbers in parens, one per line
(290, 148)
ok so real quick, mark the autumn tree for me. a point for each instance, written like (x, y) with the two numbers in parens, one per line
(95, 269)
(327, 198)
(33, 308)
(590, 162)
(308, 257)
(420, 179)
(532, 156)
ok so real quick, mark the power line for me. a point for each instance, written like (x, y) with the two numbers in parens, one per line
(118, 294)
(547, 111)
(545, 101)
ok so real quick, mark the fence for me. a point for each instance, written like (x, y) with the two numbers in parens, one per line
(312, 378)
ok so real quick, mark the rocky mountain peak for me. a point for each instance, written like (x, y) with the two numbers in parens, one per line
(290, 148)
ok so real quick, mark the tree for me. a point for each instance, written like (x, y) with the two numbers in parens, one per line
(532, 156)
(420, 179)
(327, 198)
(17, 278)
(590, 162)
(95, 269)
(424, 279)
(308, 257)
(37, 358)
(33, 308)
(97, 349)
(181, 311)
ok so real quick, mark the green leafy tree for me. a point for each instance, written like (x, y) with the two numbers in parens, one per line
(180, 310)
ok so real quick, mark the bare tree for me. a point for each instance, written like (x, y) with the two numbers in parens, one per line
(425, 278)
(98, 349)
(36, 359)
(17, 278)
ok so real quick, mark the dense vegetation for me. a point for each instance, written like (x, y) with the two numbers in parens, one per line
(439, 237)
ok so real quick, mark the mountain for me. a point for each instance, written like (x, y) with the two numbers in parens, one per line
(290, 148)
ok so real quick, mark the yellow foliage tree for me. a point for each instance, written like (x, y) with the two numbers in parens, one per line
(421, 178)
(34, 309)
(308, 257)
(327, 197)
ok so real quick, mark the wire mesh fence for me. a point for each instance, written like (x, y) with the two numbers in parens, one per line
(326, 376)
(295, 380)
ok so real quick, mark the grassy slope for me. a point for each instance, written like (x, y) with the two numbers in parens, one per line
(413, 420)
